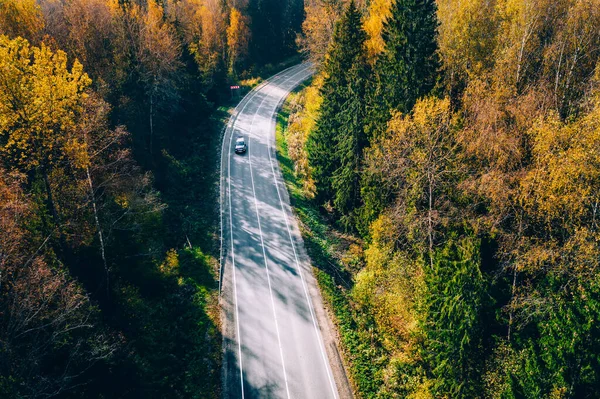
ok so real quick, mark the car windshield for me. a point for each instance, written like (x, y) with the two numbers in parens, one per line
(239, 142)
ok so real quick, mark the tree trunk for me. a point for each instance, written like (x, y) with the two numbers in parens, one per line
(99, 228)
(151, 122)
(50, 199)
(430, 221)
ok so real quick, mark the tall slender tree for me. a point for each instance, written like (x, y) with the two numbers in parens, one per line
(339, 91)
(408, 67)
(452, 302)
(350, 142)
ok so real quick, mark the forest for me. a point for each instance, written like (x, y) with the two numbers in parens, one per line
(459, 203)
(460, 199)
(111, 114)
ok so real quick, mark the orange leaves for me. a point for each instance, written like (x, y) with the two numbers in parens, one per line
(158, 50)
(205, 23)
(318, 27)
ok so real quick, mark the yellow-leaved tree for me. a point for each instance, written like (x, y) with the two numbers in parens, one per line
(158, 56)
(467, 37)
(238, 35)
(41, 102)
(209, 50)
(54, 130)
(318, 27)
(21, 18)
(416, 165)
(302, 121)
(40, 99)
(379, 11)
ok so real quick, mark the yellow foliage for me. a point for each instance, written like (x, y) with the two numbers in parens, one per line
(302, 121)
(379, 11)
(211, 45)
(187, 14)
(564, 182)
(238, 35)
(170, 266)
(21, 18)
(160, 50)
(428, 115)
(40, 99)
(251, 82)
(318, 27)
(467, 34)
(122, 201)
(423, 391)
(386, 288)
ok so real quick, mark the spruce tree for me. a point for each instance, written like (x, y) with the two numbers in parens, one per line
(406, 71)
(452, 303)
(408, 67)
(350, 142)
(325, 145)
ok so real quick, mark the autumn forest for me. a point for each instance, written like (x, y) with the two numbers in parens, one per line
(444, 165)
(462, 248)
(110, 114)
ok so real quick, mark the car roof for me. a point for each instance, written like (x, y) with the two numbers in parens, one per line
(239, 139)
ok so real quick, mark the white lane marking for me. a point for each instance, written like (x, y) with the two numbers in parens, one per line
(319, 338)
(232, 122)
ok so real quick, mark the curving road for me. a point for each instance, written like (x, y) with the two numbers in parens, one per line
(273, 342)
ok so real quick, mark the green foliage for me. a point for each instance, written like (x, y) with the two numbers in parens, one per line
(479, 209)
(349, 142)
(169, 325)
(335, 146)
(451, 307)
(408, 67)
(274, 24)
(357, 330)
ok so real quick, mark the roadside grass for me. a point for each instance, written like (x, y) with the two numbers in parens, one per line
(328, 250)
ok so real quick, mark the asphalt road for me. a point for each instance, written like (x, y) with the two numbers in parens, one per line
(273, 343)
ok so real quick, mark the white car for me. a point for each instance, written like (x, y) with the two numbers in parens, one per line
(240, 145)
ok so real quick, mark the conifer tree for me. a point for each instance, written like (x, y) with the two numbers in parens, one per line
(349, 144)
(452, 303)
(340, 67)
(408, 67)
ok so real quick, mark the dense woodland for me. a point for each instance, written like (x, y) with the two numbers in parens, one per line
(467, 161)
(110, 116)
(466, 139)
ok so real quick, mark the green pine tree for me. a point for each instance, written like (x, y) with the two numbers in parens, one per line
(452, 305)
(350, 143)
(563, 352)
(407, 70)
(409, 65)
(328, 150)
